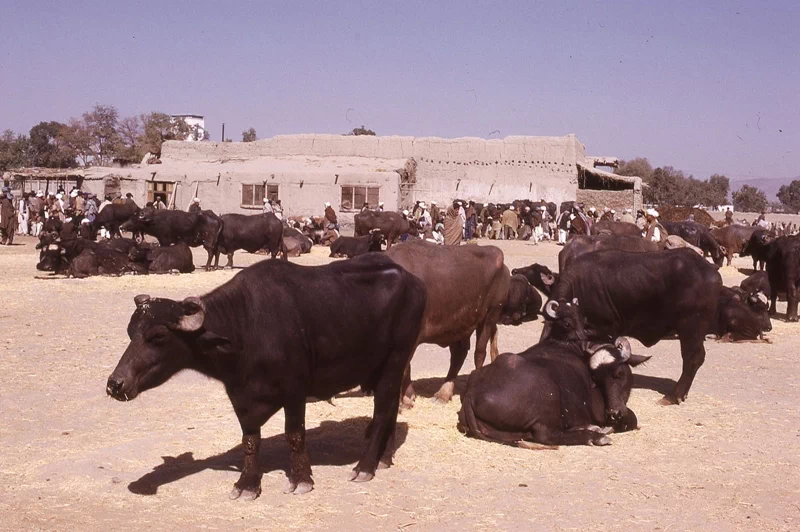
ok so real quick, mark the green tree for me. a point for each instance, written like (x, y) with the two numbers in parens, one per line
(249, 135)
(49, 147)
(158, 127)
(79, 139)
(717, 189)
(638, 167)
(130, 139)
(789, 195)
(14, 150)
(750, 199)
(101, 123)
(362, 131)
(667, 186)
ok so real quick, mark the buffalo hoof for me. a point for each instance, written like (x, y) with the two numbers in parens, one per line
(600, 442)
(384, 463)
(601, 430)
(361, 476)
(445, 393)
(245, 494)
(299, 489)
(668, 400)
(792, 318)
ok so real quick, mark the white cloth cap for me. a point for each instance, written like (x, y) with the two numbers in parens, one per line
(327, 204)
(380, 204)
(542, 208)
(511, 208)
(196, 200)
(433, 203)
(59, 196)
(74, 193)
(592, 209)
(405, 211)
(422, 205)
(40, 194)
(652, 212)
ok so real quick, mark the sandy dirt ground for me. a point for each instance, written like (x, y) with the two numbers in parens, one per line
(73, 459)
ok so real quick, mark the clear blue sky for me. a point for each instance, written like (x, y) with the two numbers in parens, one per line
(704, 86)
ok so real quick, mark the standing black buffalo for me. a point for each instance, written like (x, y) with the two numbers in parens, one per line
(580, 245)
(699, 236)
(608, 227)
(647, 296)
(113, 216)
(783, 271)
(757, 246)
(170, 227)
(391, 224)
(273, 341)
(250, 233)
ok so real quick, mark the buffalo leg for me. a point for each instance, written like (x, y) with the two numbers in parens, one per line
(458, 354)
(384, 418)
(791, 300)
(573, 436)
(248, 487)
(300, 480)
(694, 354)
(407, 393)
(210, 252)
(486, 332)
(230, 260)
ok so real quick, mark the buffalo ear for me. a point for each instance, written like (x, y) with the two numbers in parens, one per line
(547, 278)
(141, 299)
(194, 314)
(635, 360)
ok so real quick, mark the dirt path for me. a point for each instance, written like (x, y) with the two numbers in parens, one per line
(71, 458)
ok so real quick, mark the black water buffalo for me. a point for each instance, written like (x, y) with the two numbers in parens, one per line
(540, 276)
(353, 246)
(757, 246)
(390, 224)
(646, 296)
(549, 206)
(113, 216)
(164, 259)
(467, 287)
(607, 227)
(272, 341)
(90, 261)
(699, 236)
(742, 316)
(250, 233)
(580, 245)
(732, 239)
(783, 272)
(555, 393)
(523, 302)
(170, 227)
(296, 242)
(757, 282)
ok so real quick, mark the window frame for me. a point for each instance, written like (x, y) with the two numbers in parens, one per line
(254, 204)
(152, 190)
(367, 192)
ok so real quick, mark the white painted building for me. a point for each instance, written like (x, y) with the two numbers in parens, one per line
(197, 123)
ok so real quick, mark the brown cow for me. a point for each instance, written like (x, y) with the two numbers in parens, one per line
(467, 287)
(733, 238)
(391, 224)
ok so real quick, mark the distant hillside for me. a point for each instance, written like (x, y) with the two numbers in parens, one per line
(769, 185)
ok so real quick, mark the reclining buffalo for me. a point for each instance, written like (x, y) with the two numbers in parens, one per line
(540, 276)
(523, 303)
(563, 391)
(272, 341)
(353, 246)
(647, 296)
(699, 236)
(742, 316)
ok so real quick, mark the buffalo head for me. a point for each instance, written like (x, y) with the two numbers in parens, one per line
(610, 367)
(162, 335)
(563, 320)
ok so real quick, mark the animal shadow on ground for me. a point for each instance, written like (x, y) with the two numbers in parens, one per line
(428, 387)
(746, 271)
(332, 443)
(661, 385)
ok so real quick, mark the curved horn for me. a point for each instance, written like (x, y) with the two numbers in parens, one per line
(141, 299)
(194, 314)
(624, 347)
(551, 308)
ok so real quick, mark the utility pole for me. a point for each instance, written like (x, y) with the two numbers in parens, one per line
(223, 132)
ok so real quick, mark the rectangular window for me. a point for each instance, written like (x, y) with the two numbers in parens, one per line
(253, 195)
(159, 190)
(354, 197)
(272, 192)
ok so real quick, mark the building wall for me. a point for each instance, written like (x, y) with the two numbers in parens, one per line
(613, 199)
(470, 168)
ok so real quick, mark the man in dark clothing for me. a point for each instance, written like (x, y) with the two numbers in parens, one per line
(195, 206)
(8, 219)
(330, 217)
(472, 221)
(728, 216)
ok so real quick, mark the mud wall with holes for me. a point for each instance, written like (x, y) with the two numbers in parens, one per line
(618, 200)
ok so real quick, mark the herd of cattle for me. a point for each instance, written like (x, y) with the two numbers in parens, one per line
(278, 333)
